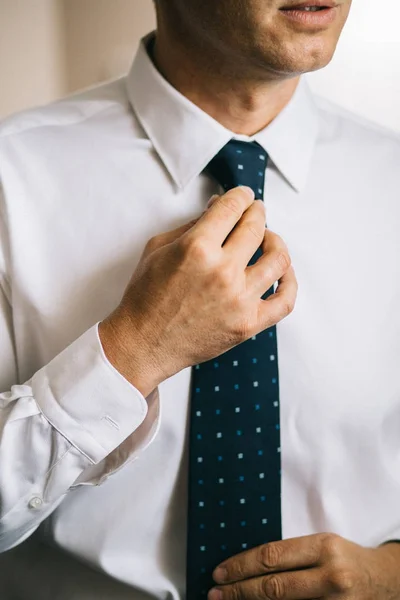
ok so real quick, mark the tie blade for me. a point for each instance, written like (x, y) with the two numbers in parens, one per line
(234, 441)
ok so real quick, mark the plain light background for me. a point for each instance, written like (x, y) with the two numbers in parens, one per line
(49, 48)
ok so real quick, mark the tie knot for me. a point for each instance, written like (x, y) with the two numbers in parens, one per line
(240, 163)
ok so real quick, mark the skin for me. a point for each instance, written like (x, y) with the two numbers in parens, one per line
(240, 61)
(193, 281)
(317, 566)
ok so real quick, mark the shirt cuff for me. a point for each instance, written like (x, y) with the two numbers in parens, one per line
(87, 400)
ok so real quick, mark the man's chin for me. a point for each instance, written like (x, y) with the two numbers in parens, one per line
(306, 57)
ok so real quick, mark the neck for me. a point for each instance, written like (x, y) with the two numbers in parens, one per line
(242, 104)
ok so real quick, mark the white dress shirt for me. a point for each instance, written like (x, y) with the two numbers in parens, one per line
(94, 469)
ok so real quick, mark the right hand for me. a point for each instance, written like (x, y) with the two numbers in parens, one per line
(193, 295)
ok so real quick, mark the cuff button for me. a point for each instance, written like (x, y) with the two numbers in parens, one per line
(35, 503)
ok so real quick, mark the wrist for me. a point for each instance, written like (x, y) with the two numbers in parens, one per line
(387, 566)
(128, 354)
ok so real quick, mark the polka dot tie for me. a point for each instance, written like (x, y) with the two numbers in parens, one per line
(234, 447)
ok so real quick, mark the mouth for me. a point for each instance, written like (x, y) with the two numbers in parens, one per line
(311, 13)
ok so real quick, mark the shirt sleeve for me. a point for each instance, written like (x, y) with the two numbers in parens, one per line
(71, 415)
(73, 423)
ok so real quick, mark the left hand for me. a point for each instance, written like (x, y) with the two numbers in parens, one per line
(323, 566)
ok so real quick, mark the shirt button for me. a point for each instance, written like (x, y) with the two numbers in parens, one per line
(35, 503)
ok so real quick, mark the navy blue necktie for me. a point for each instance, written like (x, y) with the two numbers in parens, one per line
(234, 444)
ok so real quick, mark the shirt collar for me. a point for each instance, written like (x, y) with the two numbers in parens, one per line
(186, 138)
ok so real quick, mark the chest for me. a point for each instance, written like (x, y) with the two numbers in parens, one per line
(83, 242)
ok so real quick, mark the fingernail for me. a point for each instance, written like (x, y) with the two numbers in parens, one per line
(248, 190)
(220, 575)
(215, 594)
(211, 201)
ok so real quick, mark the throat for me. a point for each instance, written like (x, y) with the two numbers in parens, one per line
(242, 105)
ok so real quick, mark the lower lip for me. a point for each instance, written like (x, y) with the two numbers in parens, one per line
(320, 18)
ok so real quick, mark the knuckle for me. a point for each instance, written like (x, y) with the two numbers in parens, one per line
(270, 555)
(273, 240)
(197, 248)
(255, 229)
(287, 307)
(273, 587)
(341, 580)
(225, 277)
(152, 244)
(235, 570)
(233, 202)
(283, 260)
(235, 592)
(332, 545)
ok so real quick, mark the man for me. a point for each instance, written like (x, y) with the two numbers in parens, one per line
(102, 436)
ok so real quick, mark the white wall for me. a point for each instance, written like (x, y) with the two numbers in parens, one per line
(102, 36)
(365, 73)
(48, 47)
(31, 53)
